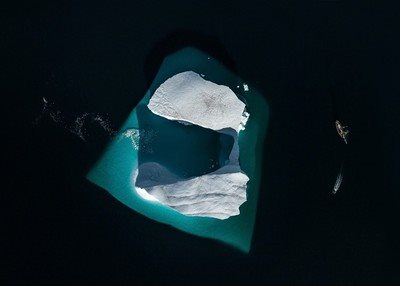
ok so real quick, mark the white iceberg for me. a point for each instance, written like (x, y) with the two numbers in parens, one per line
(190, 99)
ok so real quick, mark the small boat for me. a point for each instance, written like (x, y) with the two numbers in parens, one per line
(342, 130)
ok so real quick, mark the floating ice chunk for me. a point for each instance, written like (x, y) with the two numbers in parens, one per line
(245, 117)
(133, 135)
(218, 194)
(190, 98)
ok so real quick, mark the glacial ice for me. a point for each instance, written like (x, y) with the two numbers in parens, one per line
(190, 99)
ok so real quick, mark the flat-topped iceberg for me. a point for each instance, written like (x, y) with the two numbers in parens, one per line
(190, 99)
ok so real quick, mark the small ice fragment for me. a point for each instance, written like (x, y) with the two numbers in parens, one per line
(245, 87)
(245, 117)
(134, 136)
(78, 127)
(145, 195)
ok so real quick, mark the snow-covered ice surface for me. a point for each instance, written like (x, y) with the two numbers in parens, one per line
(218, 194)
(190, 99)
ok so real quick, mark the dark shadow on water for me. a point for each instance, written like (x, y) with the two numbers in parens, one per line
(185, 150)
(180, 39)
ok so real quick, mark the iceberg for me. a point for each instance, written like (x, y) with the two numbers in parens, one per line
(190, 99)
(137, 169)
(218, 194)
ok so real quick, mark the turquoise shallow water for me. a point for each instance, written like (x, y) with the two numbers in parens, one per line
(115, 169)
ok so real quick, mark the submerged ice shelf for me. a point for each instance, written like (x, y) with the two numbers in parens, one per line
(189, 99)
(121, 170)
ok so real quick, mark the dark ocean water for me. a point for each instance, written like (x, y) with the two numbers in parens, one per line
(314, 62)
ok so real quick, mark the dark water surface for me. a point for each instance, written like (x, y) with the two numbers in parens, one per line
(314, 62)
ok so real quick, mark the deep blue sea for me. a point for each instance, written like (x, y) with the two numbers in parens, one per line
(312, 62)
